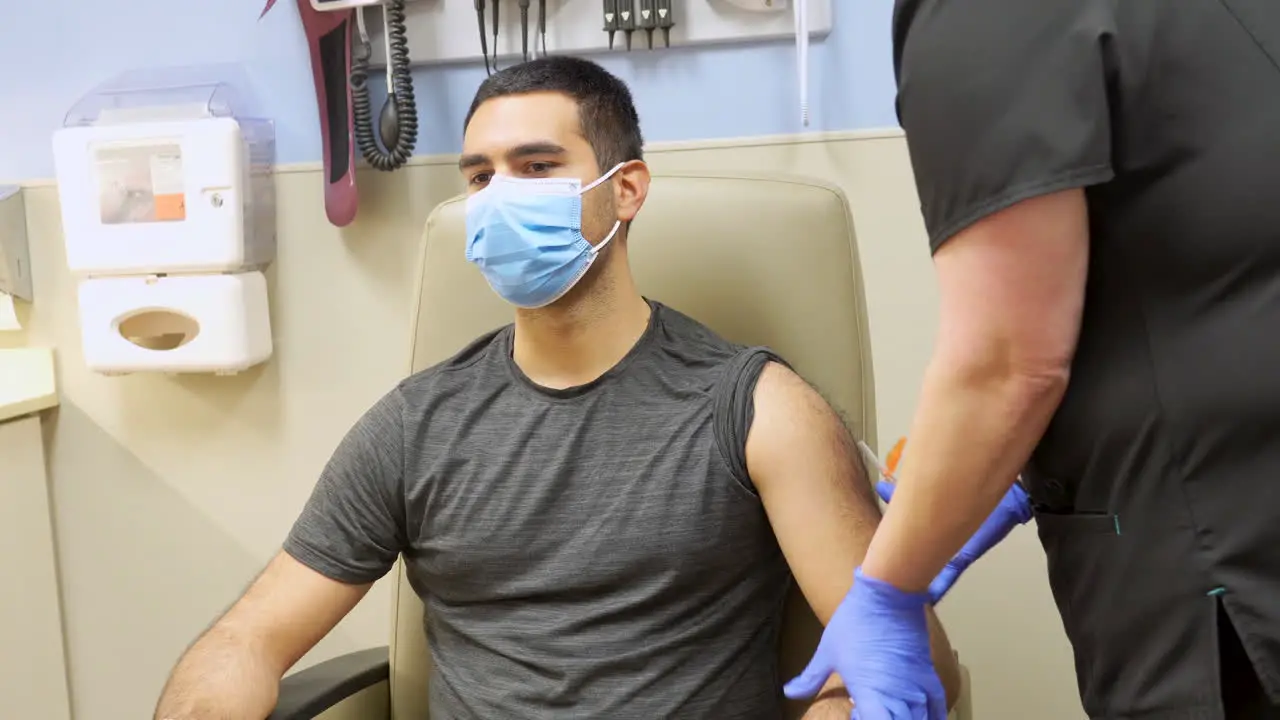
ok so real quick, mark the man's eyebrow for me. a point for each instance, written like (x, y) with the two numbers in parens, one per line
(467, 162)
(541, 147)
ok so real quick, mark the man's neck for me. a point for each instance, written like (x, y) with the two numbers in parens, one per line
(583, 336)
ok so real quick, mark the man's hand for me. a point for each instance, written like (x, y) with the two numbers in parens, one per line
(878, 642)
(835, 708)
(1014, 510)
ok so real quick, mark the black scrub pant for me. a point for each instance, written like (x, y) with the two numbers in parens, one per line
(1242, 694)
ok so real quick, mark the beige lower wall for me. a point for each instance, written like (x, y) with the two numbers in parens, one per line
(33, 680)
(171, 492)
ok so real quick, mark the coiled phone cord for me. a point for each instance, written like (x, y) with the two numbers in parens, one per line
(391, 145)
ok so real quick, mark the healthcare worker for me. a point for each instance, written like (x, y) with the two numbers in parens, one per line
(1100, 180)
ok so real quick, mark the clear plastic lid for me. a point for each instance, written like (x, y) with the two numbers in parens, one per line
(173, 93)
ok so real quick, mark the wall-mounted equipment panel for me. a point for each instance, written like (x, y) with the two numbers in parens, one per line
(449, 31)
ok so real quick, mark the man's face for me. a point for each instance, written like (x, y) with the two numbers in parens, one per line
(536, 135)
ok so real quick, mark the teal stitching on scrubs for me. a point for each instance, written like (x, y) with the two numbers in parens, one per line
(1216, 591)
(1117, 519)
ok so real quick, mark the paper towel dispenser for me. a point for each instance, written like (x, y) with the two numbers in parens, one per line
(15, 253)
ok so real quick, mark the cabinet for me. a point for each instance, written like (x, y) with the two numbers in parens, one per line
(33, 673)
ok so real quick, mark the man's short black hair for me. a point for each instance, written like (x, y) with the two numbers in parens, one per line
(605, 109)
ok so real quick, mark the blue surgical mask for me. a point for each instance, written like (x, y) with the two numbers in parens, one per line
(525, 235)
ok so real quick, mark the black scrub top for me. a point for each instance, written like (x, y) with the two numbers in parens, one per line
(1157, 485)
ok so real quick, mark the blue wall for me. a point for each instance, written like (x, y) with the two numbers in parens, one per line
(55, 52)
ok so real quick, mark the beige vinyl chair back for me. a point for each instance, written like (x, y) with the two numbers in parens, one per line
(761, 260)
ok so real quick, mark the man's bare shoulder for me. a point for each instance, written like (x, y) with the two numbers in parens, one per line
(788, 407)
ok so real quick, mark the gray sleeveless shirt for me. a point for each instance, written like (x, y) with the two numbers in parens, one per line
(594, 552)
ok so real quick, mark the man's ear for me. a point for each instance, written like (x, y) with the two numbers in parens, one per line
(630, 188)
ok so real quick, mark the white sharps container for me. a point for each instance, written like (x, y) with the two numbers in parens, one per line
(168, 211)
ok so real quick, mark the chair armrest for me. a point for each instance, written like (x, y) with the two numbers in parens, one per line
(307, 693)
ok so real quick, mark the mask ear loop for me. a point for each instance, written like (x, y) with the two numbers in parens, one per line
(596, 183)
(617, 224)
(595, 249)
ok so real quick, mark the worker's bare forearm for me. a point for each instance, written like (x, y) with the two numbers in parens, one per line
(223, 676)
(974, 430)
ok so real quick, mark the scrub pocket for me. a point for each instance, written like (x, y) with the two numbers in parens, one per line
(1077, 546)
(1144, 640)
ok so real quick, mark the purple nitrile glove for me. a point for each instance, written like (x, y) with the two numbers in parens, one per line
(1014, 510)
(878, 642)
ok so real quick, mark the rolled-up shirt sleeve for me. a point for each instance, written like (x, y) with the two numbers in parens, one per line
(1002, 101)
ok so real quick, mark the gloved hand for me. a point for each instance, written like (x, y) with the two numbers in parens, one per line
(878, 641)
(1014, 510)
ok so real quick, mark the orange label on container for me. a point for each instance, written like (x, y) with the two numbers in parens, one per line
(171, 207)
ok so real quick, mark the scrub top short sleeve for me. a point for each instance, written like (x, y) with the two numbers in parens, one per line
(1157, 482)
(1001, 101)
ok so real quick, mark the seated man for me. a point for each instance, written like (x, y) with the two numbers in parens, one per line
(602, 505)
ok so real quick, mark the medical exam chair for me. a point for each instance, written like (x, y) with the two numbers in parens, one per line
(761, 260)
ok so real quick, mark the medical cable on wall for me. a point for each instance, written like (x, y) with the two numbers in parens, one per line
(397, 129)
(340, 66)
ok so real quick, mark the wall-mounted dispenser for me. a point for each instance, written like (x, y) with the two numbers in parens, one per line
(168, 211)
(15, 255)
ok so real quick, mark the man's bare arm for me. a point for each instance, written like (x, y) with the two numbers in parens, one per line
(824, 512)
(233, 670)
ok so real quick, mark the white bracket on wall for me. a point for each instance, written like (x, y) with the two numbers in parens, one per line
(15, 254)
(445, 32)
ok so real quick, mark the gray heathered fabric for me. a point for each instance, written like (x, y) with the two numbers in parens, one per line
(591, 553)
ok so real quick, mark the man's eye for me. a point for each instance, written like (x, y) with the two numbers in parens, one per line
(537, 168)
(480, 178)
